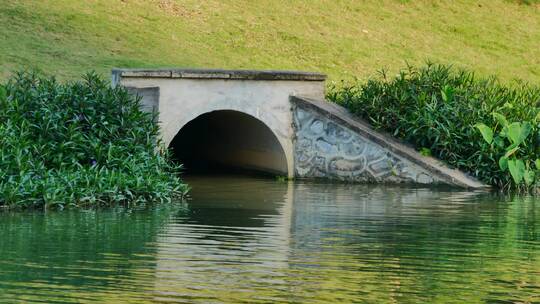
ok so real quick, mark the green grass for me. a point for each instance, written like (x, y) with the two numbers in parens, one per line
(341, 38)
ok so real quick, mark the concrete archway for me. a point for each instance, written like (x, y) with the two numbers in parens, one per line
(228, 140)
(181, 95)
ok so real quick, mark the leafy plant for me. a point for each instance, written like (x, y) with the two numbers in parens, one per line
(425, 151)
(437, 107)
(81, 143)
(508, 143)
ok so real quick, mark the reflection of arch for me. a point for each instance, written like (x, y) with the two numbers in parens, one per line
(228, 138)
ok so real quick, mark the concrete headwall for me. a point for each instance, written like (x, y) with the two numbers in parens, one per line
(185, 94)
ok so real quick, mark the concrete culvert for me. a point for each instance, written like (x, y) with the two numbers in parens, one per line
(228, 141)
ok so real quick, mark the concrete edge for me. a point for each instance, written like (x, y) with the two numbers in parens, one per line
(217, 74)
(441, 170)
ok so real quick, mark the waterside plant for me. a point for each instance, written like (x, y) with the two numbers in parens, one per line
(446, 112)
(508, 142)
(81, 143)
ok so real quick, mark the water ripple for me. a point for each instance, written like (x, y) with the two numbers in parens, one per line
(260, 241)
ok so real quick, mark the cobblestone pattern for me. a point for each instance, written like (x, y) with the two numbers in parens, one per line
(326, 149)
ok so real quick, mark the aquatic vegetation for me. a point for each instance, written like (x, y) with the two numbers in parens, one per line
(437, 108)
(80, 143)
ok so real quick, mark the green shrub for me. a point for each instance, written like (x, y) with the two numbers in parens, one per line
(79, 144)
(508, 143)
(436, 109)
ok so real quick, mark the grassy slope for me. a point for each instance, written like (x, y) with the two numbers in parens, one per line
(341, 38)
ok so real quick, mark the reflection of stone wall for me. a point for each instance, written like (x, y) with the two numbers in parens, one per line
(326, 149)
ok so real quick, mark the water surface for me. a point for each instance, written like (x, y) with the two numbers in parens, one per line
(257, 240)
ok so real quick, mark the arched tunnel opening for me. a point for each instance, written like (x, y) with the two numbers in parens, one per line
(228, 141)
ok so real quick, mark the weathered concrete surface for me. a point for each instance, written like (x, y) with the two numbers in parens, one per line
(117, 74)
(333, 144)
(185, 94)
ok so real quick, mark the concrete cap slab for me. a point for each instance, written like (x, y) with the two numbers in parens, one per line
(219, 74)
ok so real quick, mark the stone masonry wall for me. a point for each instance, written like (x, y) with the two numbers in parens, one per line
(324, 148)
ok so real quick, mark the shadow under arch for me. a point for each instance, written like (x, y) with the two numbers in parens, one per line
(225, 141)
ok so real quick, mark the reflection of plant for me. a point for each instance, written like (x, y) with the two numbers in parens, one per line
(77, 240)
(281, 178)
(509, 140)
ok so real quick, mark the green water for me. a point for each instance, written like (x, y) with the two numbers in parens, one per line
(255, 240)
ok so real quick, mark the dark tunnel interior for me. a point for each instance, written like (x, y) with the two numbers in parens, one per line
(228, 142)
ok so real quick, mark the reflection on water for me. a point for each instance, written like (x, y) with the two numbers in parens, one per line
(256, 240)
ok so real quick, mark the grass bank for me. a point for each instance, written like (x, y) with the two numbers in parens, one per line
(479, 125)
(80, 143)
(342, 38)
